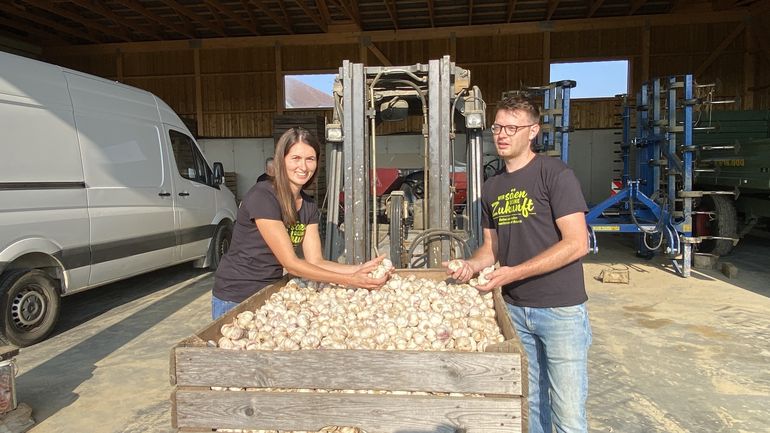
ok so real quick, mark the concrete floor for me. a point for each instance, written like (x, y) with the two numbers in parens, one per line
(669, 354)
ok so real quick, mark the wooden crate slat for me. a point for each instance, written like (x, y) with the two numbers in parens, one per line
(463, 372)
(372, 413)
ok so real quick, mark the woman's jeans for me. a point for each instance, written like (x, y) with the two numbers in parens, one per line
(556, 341)
(220, 307)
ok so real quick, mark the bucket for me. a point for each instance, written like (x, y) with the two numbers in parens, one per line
(7, 386)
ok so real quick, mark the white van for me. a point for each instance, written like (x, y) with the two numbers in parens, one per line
(99, 181)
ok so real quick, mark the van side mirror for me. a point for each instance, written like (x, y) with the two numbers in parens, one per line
(219, 173)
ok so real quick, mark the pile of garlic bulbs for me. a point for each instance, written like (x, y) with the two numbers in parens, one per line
(406, 314)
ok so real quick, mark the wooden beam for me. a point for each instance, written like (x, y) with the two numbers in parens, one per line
(363, 43)
(718, 51)
(286, 17)
(280, 95)
(198, 91)
(266, 10)
(40, 34)
(749, 68)
(119, 66)
(470, 12)
(88, 24)
(546, 57)
(119, 21)
(352, 38)
(23, 13)
(140, 9)
(511, 10)
(430, 13)
(392, 12)
(250, 12)
(184, 11)
(595, 5)
(635, 6)
(646, 34)
(323, 10)
(220, 6)
(216, 16)
(552, 5)
(380, 56)
(349, 11)
(316, 19)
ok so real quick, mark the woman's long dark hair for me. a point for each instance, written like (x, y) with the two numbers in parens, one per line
(281, 180)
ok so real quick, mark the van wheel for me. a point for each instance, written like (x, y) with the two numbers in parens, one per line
(220, 244)
(30, 307)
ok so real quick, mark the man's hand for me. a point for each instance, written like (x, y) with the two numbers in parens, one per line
(499, 277)
(460, 270)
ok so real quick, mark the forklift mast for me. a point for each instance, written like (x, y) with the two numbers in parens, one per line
(440, 93)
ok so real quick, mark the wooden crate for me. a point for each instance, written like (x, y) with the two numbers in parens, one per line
(499, 374)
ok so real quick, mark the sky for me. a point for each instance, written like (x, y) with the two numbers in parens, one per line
(322, 82)
(603, 79)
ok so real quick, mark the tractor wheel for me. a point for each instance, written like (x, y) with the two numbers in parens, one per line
(722, 222)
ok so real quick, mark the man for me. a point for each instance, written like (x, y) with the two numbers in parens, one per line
(534, 225)
(269, 170)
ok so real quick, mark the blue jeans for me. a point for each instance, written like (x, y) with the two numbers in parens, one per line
(556, 341)
(220, 307)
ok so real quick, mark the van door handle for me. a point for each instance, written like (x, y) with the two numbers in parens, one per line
(184, 194)
(164, 194)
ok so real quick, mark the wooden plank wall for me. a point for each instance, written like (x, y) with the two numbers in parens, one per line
(234, 91)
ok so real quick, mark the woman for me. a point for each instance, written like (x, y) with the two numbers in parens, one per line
(274, 219)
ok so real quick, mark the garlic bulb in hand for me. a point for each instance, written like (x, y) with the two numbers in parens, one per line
(382, 269)
(482, 278)
(455, 265)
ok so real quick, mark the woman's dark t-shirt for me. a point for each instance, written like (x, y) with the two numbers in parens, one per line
(249, 264)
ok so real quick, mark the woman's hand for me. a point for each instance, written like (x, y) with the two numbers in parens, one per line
(362, 279)
(460, 270)
(370, 265)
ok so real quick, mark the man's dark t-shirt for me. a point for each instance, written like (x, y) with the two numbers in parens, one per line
(523, 207)
(249, 264)
(263, 177)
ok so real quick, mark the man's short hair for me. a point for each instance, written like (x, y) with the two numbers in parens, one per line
(521, 103)
(268, 161)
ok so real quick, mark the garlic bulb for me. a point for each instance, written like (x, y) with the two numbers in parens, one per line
(455, 265)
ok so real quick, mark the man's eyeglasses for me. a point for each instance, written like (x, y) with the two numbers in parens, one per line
(509, 129)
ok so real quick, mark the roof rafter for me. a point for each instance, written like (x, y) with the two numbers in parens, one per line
(24, 13)
(316, 19)
(552, 5)
(593, 6)
(511, 10)
(392, 12)
(88, 24)
(138, 8)
(184, 11)
(470, 12)
(350, 11)
(286, 17)
(635, 6)
(119, 21)
(232, 15)
(323, 10)
(273, 16)
(430, 13)
(42, 34)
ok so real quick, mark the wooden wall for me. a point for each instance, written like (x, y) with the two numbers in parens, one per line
(233, 89)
